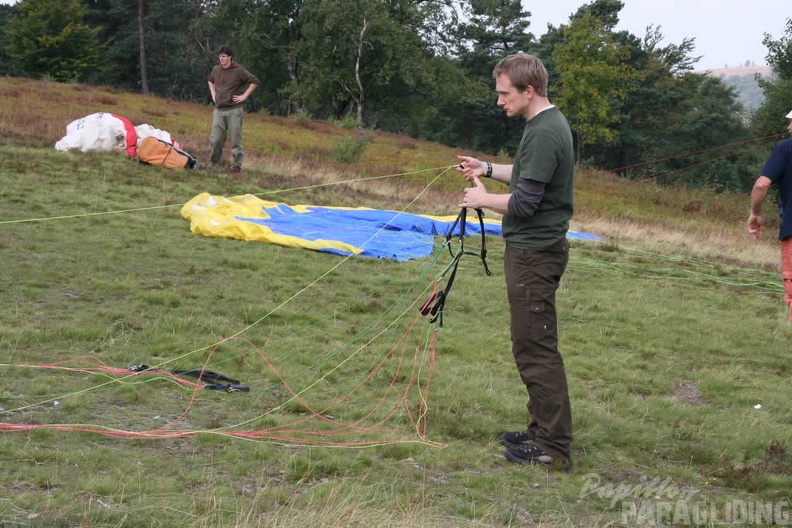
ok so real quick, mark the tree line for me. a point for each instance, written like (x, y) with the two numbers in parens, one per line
(422, 68)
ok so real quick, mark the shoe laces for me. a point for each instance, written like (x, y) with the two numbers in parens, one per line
(531, 449)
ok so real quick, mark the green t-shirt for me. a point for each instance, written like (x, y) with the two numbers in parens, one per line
(546, 154)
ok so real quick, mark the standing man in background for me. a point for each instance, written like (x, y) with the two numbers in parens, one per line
(230, 85)
(536, 212)
(777, 170)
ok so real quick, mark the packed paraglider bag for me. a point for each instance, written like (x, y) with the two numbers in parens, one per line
(153, 151)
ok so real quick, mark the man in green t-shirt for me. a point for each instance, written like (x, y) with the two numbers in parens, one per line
(536, 213)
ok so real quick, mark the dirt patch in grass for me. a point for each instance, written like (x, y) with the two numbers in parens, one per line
(688, 393)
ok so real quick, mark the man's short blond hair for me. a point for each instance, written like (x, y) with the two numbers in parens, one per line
(523, 70)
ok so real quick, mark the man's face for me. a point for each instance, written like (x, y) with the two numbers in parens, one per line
(789, 126)
(512, 100)
(225, 60)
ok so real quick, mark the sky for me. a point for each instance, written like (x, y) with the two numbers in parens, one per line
(727, 32)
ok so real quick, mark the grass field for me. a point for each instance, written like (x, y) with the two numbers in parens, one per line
(359, 413)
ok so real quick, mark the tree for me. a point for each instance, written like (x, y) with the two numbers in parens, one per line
(707, 119)
(359, 98)
(156, 49)
(355, 52)
(112, 18)
(769, 119)
(268, 38)
(336, 55)
(142, 49)
(495, 29)
(177, 66)
(669, 113)
(650, 112)
(7, 66)
(779, 52)
(47, 38)
(592, 74)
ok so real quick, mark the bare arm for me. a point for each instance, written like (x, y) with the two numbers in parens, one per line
(474, 168)
(501, 173)
(240, 98)
(758, 194)
(212, 91)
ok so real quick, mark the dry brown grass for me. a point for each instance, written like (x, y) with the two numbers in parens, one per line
(714, 243)
(675, 220)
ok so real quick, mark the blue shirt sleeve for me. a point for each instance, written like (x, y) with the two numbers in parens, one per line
(780, 161)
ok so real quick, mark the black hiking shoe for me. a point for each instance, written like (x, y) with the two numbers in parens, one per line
(532, 454)
(517, 438)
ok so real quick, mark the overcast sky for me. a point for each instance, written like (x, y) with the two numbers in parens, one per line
(727, 32)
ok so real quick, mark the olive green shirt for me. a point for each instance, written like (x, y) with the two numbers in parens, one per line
(546, 154)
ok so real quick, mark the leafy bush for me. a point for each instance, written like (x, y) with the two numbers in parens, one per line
(350, 148)
(349, 122)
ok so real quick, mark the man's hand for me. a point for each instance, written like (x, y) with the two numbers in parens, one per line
(476, 196)
(471, 168)
(755, 219)
(755, 223)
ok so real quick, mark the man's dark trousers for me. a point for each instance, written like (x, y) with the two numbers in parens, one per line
(532, 278)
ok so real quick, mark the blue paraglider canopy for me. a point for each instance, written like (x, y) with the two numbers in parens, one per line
(372, 233)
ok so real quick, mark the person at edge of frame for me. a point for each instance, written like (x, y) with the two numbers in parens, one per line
(777, 170)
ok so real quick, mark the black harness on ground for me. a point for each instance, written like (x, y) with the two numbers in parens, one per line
(214, 379)
(435, 304)
(206, 375)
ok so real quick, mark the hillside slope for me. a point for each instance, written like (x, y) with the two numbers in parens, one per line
(740, 71)
(743, 79)
(300, 151)
(358, 411)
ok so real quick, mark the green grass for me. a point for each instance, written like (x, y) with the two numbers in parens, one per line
(667, 355)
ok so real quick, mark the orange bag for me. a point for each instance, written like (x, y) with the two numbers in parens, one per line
(153, 151)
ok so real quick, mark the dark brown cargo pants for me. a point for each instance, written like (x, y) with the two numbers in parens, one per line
(532, 278)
